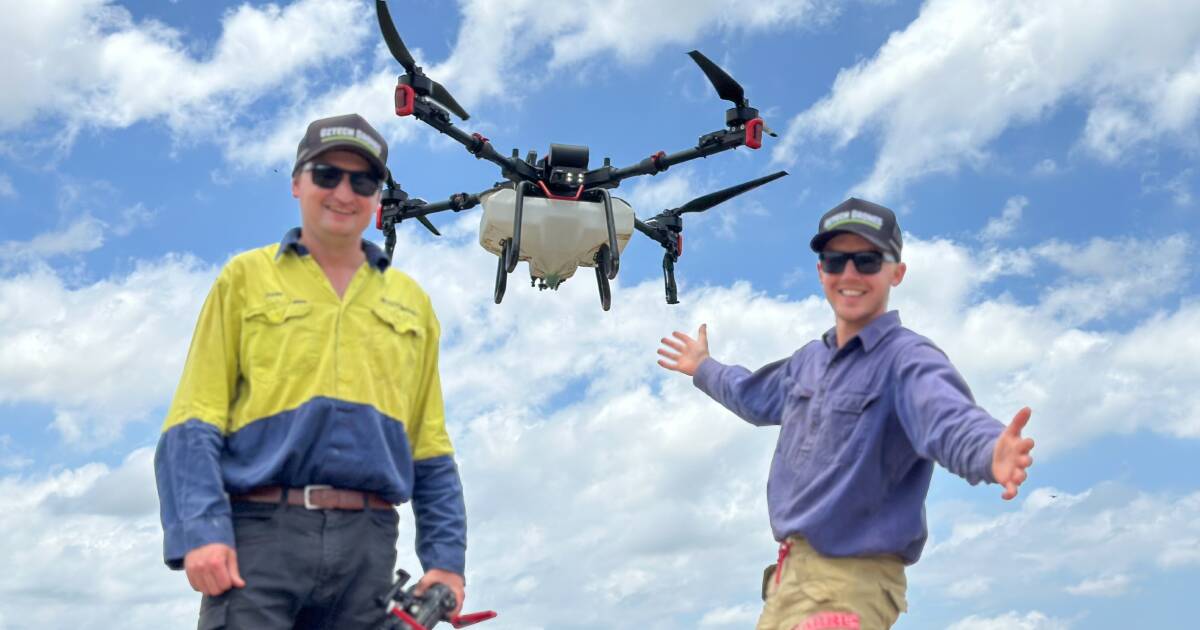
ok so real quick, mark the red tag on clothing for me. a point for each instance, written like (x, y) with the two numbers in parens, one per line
(830, 621)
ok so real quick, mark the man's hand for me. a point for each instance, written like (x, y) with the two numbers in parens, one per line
(453, 580)
(687, 353)
(1011, 456)
(213, 569)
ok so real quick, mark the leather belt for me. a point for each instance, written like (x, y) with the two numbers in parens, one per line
(316, 497)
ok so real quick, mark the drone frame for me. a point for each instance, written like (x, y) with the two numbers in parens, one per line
(427, 100)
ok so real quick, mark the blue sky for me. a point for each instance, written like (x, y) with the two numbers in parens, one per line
(1042, 158)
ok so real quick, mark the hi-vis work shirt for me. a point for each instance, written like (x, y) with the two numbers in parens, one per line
(860, 428)
(286, 384)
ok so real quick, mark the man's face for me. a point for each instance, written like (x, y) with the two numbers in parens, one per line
(337, 213)
(858, 298)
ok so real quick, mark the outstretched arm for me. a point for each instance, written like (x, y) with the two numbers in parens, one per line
(1011, 457)
(757, 397)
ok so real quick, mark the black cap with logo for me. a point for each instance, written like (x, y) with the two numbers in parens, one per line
(349, 132)
(869, 220)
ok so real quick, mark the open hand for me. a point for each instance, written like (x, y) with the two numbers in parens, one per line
(1011, 456)
(212, 569)
(452, 580)
(684, 354)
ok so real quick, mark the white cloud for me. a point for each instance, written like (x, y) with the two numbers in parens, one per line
(84, 548)
(495, 39)
(83, 234)
(1045, 168)
(937, 97)
(1087, 544)
(1003, 225)
(100, 355)
(6, 186)
(1178, 187)
(90, 64)
(1104, 586)
(1012, 621)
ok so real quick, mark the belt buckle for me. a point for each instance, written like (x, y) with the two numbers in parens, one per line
(308, 504)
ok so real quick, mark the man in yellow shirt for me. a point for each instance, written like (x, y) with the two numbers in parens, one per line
(310, 405)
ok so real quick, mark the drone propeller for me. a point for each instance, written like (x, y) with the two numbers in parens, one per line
(666, 227)
(702, 203)
(727, 87)
(396, 45)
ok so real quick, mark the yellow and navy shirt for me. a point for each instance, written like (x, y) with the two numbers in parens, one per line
(287, 384)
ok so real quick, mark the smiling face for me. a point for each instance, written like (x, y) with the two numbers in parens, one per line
(857, 298)
(337, 215)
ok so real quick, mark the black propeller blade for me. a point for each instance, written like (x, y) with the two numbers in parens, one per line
(428, 225)
(442, 96)
(396, 45)
(727, 87)
(702, 203)
(392, 38)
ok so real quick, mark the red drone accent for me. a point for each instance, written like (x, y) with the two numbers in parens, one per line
(379, 217)
(679, 244)
(462, 621)
(754, 133)
(656, 157)
(458, 621)
(550, 195)
(407, 618)
(405, 99)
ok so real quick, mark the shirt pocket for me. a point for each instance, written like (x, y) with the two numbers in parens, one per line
(279, 341)
(397, 340)
(840, 439)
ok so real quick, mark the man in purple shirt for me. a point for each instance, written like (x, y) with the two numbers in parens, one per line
(864, 412)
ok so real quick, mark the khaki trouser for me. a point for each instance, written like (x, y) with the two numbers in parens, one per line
(809, 591)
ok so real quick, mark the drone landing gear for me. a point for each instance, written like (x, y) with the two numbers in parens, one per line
(510, 249)
(604, 263)
(502, 270)
(669, 279)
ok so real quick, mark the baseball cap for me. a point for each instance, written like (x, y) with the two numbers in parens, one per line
(869, 220)
(349, 132)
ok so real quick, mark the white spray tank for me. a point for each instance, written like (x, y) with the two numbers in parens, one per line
(559, 233)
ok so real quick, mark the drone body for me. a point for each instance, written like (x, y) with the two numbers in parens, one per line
(557, 235)
(555, 213)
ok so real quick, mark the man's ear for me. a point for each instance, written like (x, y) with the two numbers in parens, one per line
(296, 186)
(898, 274)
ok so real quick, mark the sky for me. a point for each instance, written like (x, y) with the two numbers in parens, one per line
(1042, 159)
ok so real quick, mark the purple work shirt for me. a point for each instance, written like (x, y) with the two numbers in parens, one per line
(860, 428)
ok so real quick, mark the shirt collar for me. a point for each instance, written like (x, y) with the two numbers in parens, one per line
(871, 335)
(291, 242)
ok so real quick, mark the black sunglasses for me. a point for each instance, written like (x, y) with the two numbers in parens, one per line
(866, 263)
(364, 183)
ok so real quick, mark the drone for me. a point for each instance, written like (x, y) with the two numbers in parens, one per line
(554, 212)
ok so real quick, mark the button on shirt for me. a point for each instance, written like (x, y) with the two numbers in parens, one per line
(860, 429)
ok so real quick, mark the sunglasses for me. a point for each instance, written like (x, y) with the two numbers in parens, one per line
(866, 263)
(363, 183)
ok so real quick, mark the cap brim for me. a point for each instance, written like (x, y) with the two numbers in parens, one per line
(373, 160)
(819, 241)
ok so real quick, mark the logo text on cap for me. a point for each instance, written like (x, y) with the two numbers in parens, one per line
(852, 216)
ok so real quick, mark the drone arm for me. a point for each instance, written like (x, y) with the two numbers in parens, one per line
(476, 144)
(710, 144)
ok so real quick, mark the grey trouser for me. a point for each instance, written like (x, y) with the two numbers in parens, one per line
(306, 569)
